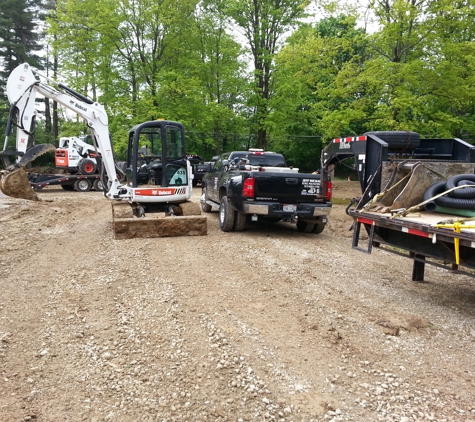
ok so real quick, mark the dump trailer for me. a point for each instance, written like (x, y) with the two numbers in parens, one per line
(156, 179)
(417, 197)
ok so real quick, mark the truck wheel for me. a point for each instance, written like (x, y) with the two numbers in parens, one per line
(204, 197)
(82, 185)
(67, 187)
(240, 222)
(87, 166)
(318, 227)
(226, 215)
(398, 139)
(98, 186)
(194, 182)
(304, 227)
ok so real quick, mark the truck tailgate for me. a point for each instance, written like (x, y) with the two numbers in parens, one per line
(293, 187)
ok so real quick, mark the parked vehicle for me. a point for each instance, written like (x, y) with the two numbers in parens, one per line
(77, 155)
(259, 185)
(417, 197)
(77, 182)
(198, 168)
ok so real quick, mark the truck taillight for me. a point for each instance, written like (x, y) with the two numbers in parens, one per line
(248, 187)
(329, 190)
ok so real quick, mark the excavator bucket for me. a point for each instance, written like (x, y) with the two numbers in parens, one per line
(15, 183)
(405, 191)
(186, 221)
(405, 185)
(14, 179)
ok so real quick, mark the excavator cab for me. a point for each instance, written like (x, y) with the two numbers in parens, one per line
(156, 155)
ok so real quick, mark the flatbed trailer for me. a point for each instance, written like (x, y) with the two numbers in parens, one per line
(398, 173)
(416, 236)
(78, 182)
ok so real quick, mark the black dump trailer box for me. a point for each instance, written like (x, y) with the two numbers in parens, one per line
(417, 197)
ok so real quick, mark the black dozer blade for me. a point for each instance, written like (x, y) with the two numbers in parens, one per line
(14, 179)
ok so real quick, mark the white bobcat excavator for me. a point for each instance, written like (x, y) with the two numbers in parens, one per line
(156, 176)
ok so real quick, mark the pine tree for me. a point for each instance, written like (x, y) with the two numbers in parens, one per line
(19, 37)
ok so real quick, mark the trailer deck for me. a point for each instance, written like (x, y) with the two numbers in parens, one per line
(417, 236)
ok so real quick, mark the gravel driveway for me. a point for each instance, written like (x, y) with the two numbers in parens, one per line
(264, 325)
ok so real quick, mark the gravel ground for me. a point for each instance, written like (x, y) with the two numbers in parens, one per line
(265, 325)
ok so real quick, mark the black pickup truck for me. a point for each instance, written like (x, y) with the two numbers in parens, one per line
(198, 167)
(258, 185)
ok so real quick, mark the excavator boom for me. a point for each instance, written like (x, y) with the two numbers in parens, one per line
(160, 181)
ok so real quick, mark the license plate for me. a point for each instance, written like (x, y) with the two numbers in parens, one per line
(289, 208)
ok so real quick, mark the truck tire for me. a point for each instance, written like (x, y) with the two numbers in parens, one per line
(398, 139)
(226, 215)
(240, 221)
(318, 228)
(204, 197)
(98, 186)
(87, 166)
(305, 227)
(82, 185)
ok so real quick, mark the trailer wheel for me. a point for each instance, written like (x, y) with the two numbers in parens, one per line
(67, 187)
(82, 185)
(98, 186)
(398, 139)
(304, 227)
(226, 215)
(87, 166)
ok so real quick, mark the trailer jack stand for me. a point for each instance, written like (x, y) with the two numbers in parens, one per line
(356, 237)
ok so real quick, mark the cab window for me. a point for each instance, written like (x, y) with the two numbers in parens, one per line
(175, 143)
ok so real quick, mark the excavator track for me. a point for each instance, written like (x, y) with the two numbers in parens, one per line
(187, 221)
(14, 179)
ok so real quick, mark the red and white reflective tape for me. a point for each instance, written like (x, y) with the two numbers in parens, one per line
(365, 221)
(402, 228)
(352, 139)
(417, 232)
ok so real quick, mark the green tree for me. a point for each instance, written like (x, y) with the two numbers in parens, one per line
(19, 37)
(305, 86)
(264, 25)
(416, 75)
(146, 59)
(19, 42)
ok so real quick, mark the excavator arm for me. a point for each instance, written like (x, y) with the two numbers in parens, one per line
(160, 181)
(23, 86)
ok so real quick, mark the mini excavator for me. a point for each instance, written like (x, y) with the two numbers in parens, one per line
(156, 178)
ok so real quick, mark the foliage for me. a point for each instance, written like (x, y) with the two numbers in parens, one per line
(239, 73)
(19, 42)
(264, 24)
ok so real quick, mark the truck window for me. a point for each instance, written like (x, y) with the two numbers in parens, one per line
(266, 160)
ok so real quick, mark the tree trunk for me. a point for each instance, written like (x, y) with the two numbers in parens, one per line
(261, 138)
(55, 104)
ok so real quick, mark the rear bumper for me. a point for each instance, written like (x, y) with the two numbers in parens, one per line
(273, 209)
